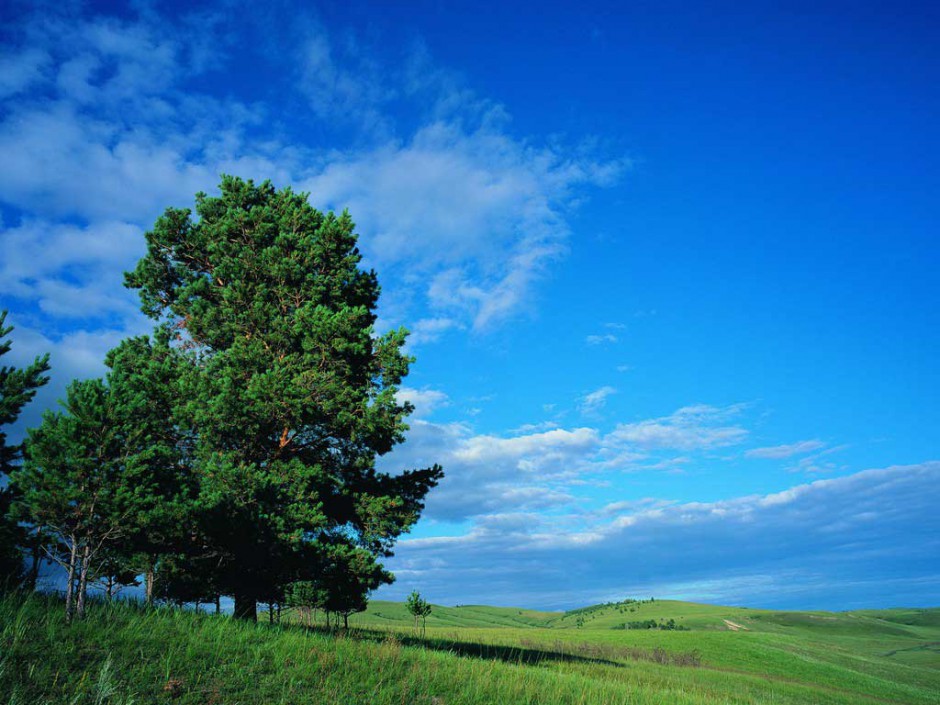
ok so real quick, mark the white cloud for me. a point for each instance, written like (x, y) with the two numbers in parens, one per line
(71, 271)
(487, 474)
(819, 463)
(601, 339)
(594, 401)
(425, 401)
(480, 211)
(483, 471)
(429, 330)
(857, 540)
(342, 83)
(633, 506)
(530, 451)
(451, 199)
(690, 428)
(785, 451)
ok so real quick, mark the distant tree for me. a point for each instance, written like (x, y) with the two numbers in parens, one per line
(17, 389)
(288, 391)
(113, 571)
(419, 609)
(306, 597)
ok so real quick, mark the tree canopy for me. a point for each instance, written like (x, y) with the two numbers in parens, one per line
(286, 392)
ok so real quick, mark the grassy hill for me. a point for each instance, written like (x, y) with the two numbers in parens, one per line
(122, 654)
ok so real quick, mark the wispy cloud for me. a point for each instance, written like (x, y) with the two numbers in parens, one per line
(20, 70)
(696, 427)
(103, 128)
(428, 330)
(820, 463)
(593, 402)
(488, 474)
(480, 213)
(601, 339)
(342, 83)
(785, 451)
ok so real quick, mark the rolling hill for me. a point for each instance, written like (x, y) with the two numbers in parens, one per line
(123, 654)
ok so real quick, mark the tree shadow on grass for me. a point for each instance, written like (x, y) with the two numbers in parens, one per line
(529, 653)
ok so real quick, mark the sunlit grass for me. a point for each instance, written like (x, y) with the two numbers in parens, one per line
(124, 654)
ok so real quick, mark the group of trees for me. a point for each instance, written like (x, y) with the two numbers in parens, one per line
(233, 451)
(670, 625)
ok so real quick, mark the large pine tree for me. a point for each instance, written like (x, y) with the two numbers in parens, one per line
(289, 393)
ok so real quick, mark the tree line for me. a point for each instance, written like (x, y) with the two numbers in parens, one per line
(231, 452)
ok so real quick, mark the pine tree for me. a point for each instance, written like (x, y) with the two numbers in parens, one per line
(17, 388)
(144, 381)
(74, 485)
(289, 393)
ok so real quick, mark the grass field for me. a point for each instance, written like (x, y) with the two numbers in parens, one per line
(122, 654)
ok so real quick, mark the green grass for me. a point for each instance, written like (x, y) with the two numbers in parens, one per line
(123, 654)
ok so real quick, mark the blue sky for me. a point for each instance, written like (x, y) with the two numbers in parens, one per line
(670, 268)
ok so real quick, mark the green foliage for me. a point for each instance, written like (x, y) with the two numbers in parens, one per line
(79, 484)
(287, 393)
(418, 607)
(145, 379)
(350, 573)
(186, 577)
(18, 386)
(667, 625)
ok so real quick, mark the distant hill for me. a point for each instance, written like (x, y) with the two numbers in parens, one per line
(687, 615)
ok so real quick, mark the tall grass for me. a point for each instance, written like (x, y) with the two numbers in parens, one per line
(122, 654)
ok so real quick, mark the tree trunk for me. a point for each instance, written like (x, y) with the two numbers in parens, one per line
(148, 584)
(83, 581)
(278, 612)
(346, 621)
(36, 562)
(270, 613)
(246, 607)
(218, 604)
(70, 588)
